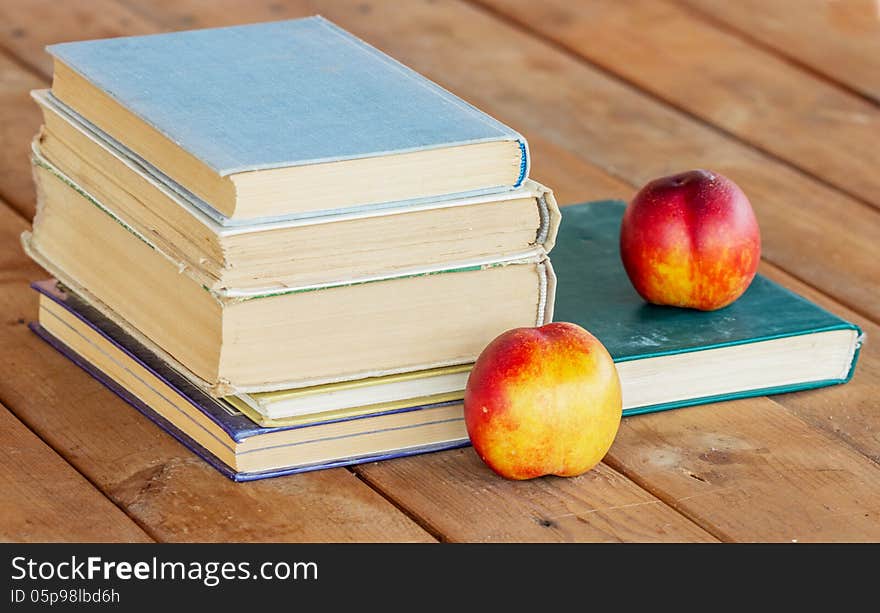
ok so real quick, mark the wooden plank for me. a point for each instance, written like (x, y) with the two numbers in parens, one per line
(457, 496)
(745, 471)
(19, 121)
(839, 39)
(572, 178)
(748, 92)
(27, 26)
(427, 37)
(659, 521)
(14, 264)
(802, 491)
(848, 411)
(749, 470)
(617, 128)
(43, 499)
(752, 417)
(171, 492)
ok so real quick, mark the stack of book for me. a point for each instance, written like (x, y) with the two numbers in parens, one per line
(281, 245)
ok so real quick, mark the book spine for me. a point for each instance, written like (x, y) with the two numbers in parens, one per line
(547, 296)
(525, 161)
(551, 218)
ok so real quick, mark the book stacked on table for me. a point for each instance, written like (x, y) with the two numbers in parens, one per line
(280, 244)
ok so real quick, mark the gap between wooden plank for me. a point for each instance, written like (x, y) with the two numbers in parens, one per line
(456, 495)
(527, 27)
(756, 42)
(424, 525)
(22, 62)
(738, 15)
(4, 404)
(802, 486)
(45, 499)
(19, 121)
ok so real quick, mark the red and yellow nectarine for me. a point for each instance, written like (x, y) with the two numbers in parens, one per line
(543, 401)
(690, 240)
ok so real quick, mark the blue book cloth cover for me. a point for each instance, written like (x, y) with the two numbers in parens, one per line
(275, 94)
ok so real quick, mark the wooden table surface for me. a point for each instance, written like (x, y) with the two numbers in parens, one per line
(781, 96)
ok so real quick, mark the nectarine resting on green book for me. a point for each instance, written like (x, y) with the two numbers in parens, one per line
(690, 240)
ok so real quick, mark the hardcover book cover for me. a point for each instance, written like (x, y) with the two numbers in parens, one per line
(277, 94)
(123, 157)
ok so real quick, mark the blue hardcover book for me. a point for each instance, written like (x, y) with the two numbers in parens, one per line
(769, 341)
(284, 118)
(214, 428)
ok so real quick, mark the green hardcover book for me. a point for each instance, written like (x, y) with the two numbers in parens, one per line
(769, 341)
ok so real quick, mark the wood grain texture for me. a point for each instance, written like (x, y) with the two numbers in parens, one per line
(43, 499)
(22, 116)
(534, 102)
(572, 178)
(585, 125)
(849, 411)
(838, 38)
(612, 125)
(170, 491)
(455, 495)
(752, 471)
(14, 264)
(19, 120)
(27, 26)
(667, 50)
(130, 491)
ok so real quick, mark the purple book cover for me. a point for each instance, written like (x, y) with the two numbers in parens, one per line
(238, 426)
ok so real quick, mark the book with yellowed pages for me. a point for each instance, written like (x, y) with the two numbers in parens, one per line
(230, 341)
(284, 118)
(293, 252)
(360, 396)
(215, 429)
